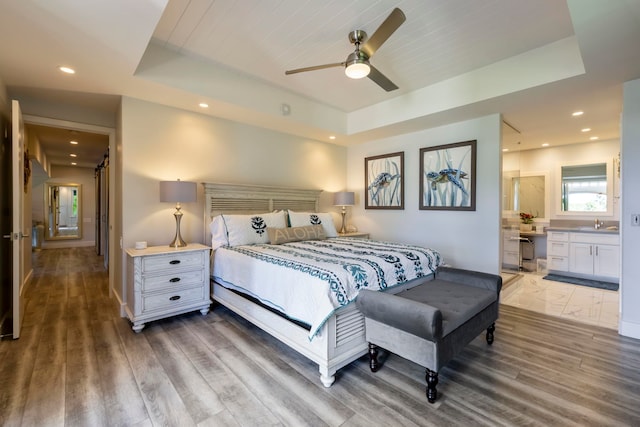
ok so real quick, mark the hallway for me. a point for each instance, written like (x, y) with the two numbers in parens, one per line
(55, 358)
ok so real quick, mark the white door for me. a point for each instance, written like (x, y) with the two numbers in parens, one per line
(607, 261)
(17, 233)
(581, 258)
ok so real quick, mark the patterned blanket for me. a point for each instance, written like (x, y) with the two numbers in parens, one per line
(309, 280)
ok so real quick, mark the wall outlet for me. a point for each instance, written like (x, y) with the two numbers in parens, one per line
(635, 219)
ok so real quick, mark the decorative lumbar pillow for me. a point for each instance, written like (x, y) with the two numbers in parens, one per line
(246, 229)
(298, 219)
(278, 236)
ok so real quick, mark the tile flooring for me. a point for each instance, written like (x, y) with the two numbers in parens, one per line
(580, 303)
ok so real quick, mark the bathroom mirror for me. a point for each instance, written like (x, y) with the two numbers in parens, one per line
(63, 211)
(585, 189)
(532, 195)
(528, 193)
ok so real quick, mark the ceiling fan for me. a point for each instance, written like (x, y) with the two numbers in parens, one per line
(357, 63)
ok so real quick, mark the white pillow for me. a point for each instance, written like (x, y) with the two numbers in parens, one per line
(236, 230)
(299, 219)
(218, 233)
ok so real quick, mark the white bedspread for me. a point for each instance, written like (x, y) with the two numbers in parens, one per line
(309, 280)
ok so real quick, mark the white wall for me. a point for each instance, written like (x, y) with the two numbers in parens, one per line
(466, 239)
(117, 260)
(4, 98)
(162, 143)
(630, 235)
(548, 160)
(53, 108)
(157, 143)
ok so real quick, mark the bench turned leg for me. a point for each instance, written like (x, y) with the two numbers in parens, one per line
(432, 382)
(373, 357)
(490, 331)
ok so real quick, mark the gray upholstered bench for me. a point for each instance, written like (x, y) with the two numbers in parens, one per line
(430, 323)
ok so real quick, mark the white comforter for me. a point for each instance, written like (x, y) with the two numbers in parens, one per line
(309, 280)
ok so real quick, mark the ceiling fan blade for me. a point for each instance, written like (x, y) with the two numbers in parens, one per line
(315, 67)
(384, 31)
(381, 80)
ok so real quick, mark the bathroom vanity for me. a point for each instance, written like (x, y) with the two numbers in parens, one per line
(584, 252)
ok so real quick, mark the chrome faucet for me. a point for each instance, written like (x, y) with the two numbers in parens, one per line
(598, 224)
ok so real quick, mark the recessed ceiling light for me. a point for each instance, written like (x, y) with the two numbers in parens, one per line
(332, 137)
(73, 142)
(593, 138)
(67, 70)
(73, 163)
(73, 155)
(204, 105)
(505, 149)
(585, 130)
(546, 144)
(577, 113)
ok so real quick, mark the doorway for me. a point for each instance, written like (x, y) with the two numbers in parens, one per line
(5, 224)
(93, 182)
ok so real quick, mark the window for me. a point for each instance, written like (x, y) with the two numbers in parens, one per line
(584, 188)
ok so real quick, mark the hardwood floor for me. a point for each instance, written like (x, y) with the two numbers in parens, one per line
(79, 364)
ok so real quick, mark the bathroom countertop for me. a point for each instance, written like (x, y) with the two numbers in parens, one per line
(584, 230)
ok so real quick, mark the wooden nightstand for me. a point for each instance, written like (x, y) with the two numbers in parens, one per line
(163, 281)
(357, 234)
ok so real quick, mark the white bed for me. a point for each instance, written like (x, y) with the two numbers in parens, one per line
(340, 339)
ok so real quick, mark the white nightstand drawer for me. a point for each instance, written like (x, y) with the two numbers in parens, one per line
(179, 279)
(172, 261)
(175, 298)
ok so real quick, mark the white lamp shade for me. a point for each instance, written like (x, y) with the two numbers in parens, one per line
(178, 191)
(344, 198)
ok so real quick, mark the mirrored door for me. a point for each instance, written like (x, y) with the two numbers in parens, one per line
(63, 202)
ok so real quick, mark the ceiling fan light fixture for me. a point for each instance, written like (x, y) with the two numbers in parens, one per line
(357, 69)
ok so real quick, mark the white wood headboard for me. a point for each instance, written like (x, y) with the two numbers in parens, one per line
(248, 199)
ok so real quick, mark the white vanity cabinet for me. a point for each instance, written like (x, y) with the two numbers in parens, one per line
(163, 281)
(594, 254)
(558, 250)
(511, 248)
(582, 254)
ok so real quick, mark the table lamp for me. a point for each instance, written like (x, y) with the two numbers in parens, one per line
(344, 199)
(178, 192)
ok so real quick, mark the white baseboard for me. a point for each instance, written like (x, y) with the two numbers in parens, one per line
(121, 304)
(629, 329)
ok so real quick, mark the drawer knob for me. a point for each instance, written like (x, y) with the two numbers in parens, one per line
(174, 298)
(174, 280)
(175, 261)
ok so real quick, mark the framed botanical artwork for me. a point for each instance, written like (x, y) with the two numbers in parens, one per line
(448, 177)
(384, 181)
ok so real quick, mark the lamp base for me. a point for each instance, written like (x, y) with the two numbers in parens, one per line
(177, 240)
(343, 229)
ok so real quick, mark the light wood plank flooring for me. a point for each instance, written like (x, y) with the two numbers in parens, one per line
(79, 364)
